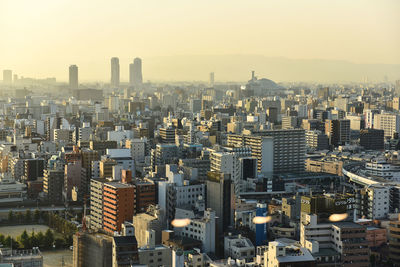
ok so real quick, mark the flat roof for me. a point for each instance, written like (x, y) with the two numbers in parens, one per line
(347, 224)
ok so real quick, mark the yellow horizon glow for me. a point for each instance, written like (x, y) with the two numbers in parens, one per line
(42, 38)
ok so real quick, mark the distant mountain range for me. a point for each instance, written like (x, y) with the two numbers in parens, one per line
(238, 68)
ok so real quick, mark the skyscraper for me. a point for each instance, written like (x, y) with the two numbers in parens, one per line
(135, 73)
(114, 72)
(73, 77)
(211, 79)
(7, 76)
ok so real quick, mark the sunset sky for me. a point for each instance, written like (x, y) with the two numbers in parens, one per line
(42, 38)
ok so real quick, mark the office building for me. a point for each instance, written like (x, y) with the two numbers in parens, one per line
(195, 105)
(338, 132)
(177, 192)
(287, 155)
(228, 163)
(73, 77)
(115, 72)
(396, 103)
(167, 135)
(317, 140)
(397, 88)
(313, 124)
(135, 73)
(7, 77)
(211, 81)
(323, 93)
(262, 148)
(53, 183)
(389, 123)
(33, 169)
(220, 194)
(73, 179)
(289, 122)
(372, 139)
(145, 194)
(138, 148)
(122, 157)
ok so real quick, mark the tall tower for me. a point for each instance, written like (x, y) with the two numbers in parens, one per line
(114, 72)
(211, 79)
(7, 77)
(73, 77)
(135, 73)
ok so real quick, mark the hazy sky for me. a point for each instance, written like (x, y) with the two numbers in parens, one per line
(41, 38)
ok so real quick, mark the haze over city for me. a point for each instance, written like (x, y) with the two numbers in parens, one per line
(185, 40)
(224, 133)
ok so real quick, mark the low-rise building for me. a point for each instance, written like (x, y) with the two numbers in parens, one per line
(238, 247)
(282, 254)
(24, 258)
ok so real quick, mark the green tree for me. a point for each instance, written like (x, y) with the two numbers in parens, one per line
(48, 239)
(33, 240)
(23, 240)
(36, 215)
(2, 239)
(28, 216)
(40, 238)
(11, 216)
(59, 242)
(11, 241)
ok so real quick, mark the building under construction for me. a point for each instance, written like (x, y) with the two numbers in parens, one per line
(92, 249)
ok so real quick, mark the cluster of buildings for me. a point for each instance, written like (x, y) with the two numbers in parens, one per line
(210, 175)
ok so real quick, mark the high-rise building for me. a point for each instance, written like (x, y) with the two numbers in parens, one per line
(114, 72)
(118, 206)
(53, 181)
(145, 194)
(33, 169)
(317, 140)
(394, 242)
(96, 203)
(7, 77)
(397, 88)
(389, 123)
(286, 150)
(73, 77)
(74, 176)
(167, 135)
(135, 73)
(289, 122)
(92, 249)
(372, 139)
(338, 131)
(211, 82)
(262, 148)
(323, 93)
(220, 193)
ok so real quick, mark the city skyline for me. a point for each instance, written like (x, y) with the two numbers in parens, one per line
(358, 31)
